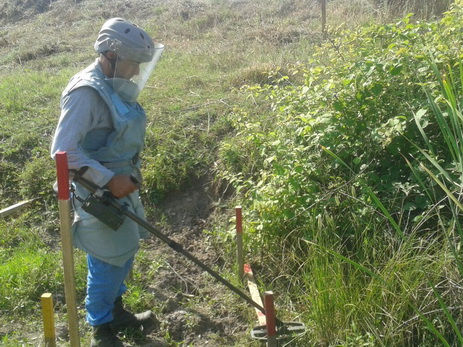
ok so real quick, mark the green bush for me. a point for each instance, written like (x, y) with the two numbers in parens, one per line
(359, 105)
(324, 174)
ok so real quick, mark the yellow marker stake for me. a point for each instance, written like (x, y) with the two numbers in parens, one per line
(48, 320)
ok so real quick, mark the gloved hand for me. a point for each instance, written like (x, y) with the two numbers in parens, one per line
(121, 186)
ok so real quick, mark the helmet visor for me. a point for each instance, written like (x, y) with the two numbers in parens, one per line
(130, 76)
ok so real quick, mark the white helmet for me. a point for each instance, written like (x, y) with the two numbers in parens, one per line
(129, 42)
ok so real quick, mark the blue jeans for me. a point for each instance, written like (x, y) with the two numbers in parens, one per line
(105, 283)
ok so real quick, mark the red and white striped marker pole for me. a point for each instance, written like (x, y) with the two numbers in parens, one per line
(270, 319)
(62, 171)
(239, 241)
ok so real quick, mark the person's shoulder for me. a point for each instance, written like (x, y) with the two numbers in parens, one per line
(84, 92)
(83, 97)
(90, 77)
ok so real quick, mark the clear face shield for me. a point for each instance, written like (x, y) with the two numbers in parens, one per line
(132, 71)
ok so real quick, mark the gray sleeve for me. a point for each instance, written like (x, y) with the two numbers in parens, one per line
(81, 111)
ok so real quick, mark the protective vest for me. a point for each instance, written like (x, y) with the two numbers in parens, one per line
(118, 150)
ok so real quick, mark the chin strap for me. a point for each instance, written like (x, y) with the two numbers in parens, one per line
(112, 62)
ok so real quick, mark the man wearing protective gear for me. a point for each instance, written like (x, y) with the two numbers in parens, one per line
(102, 129)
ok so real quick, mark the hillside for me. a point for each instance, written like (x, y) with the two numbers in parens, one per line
(251, 105)
(41, 45)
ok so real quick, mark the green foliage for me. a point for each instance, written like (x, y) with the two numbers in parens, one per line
(442, 161)
(326, 164)
(358, 105)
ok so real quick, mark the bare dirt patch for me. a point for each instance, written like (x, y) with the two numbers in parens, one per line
(194, 309)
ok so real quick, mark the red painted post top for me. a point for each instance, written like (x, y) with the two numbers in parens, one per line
(62, 172)
(270, 313)
(239, 220)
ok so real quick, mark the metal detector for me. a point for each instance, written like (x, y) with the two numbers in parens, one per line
(104, 197)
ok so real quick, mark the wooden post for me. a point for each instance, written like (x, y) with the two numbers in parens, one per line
(48, 320)
(270, 318)
(239, 241)
(15, 208)
(66, 240)
(255, 295)
(323, 4)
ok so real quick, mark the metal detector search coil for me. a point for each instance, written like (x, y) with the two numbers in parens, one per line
(285, 331)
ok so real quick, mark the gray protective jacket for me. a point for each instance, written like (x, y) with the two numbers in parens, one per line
(99, 130)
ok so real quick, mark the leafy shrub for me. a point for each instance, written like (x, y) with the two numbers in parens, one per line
(326, 169)
(359, 104)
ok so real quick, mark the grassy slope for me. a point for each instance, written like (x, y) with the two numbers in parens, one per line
(213, 47)
(208, 54)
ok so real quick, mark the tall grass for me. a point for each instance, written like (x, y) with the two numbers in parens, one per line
(421, 8)
(442, 162)
(377, 296)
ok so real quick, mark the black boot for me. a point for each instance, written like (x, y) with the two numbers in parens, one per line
(103, 336)
(123, 319)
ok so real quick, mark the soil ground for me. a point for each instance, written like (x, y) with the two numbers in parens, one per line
(194, 306)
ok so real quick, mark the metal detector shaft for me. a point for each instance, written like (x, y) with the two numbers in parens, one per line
(171, 243)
